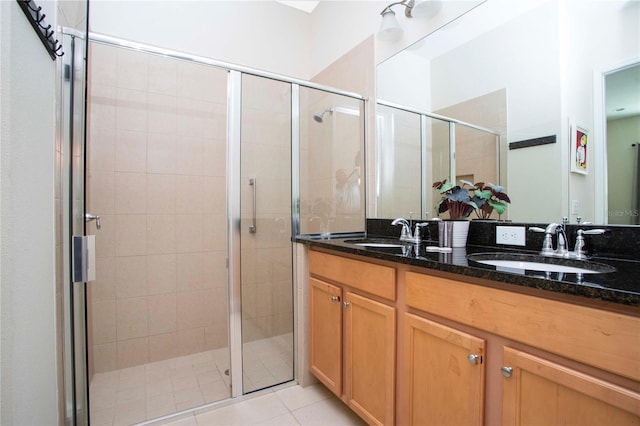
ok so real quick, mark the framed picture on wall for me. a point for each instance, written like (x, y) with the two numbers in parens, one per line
(580, 150)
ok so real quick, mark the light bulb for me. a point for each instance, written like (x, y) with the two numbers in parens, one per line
(389, 28)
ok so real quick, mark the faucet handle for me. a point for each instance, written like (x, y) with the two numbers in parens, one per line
(547, 244)
(536, 229)
(592, 231)
(416, 234)
(579, 250)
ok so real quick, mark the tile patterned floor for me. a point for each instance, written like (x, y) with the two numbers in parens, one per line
(313, 405)
(135, 394)
(149, 391)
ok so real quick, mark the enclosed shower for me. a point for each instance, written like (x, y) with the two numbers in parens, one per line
(200, 173)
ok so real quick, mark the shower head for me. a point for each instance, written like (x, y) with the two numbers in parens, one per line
(319, 117)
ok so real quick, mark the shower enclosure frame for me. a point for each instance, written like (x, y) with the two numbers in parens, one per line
(234, 98)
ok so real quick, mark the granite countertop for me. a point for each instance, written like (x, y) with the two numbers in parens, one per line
(621, 286)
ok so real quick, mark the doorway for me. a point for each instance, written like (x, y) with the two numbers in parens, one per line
(622, 112)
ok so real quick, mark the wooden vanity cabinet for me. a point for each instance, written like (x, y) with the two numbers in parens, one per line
(353, 333)
(567, 381)
(468, 354)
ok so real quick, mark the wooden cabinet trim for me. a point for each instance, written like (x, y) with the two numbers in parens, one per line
(375, 279)
(607, 340)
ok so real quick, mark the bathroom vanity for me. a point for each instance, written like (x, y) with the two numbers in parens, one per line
(419, 338)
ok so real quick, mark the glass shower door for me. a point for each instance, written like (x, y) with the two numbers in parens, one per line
(265, 233)
(157, 314)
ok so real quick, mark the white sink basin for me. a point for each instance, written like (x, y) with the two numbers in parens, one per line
(519, 263)
(379, 245)
(535, 266)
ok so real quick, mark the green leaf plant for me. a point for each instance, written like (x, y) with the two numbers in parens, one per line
(461, 200)
(454, 199)
(489, 198)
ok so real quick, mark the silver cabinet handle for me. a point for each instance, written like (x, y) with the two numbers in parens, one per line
(252, 227)
(88, 217)
(345, 304)
(335, 298)
(506, 371)
(474, 359)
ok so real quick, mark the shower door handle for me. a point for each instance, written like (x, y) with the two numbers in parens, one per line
(88, 217)
(252, 227)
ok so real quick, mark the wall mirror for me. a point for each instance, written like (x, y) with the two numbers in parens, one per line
(534, 72)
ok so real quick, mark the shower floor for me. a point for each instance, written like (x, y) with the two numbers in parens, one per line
(136, 394)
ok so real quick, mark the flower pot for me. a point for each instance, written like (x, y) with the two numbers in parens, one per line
(460, 233)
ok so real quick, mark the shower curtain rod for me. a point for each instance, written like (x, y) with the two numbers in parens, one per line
(146, 48)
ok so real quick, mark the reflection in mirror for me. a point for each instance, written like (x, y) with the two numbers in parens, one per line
(398, 188)
(331, 159)
(416, 149)
(535, 60)
(622, 106)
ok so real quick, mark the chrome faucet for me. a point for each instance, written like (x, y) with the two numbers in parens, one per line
(547, 243)
(562, 241)
(405, 234)
(417, 237)
(406, 231)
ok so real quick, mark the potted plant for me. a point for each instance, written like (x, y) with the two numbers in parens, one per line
(489, 198)
(456, 200)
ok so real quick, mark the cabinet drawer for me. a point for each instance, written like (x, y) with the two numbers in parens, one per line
(371, 278)
(603, 339)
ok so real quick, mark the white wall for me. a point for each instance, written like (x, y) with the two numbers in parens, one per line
(260, 34)
(405, 80)
(28, 390)
(265, 35)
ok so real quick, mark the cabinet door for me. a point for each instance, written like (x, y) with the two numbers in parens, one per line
(537, 391)
(444, 373)
(370, 358)
(325, 310)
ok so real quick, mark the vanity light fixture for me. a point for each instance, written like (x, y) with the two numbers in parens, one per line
(390, 29)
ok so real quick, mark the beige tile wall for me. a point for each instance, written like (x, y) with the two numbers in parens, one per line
(156, 176)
